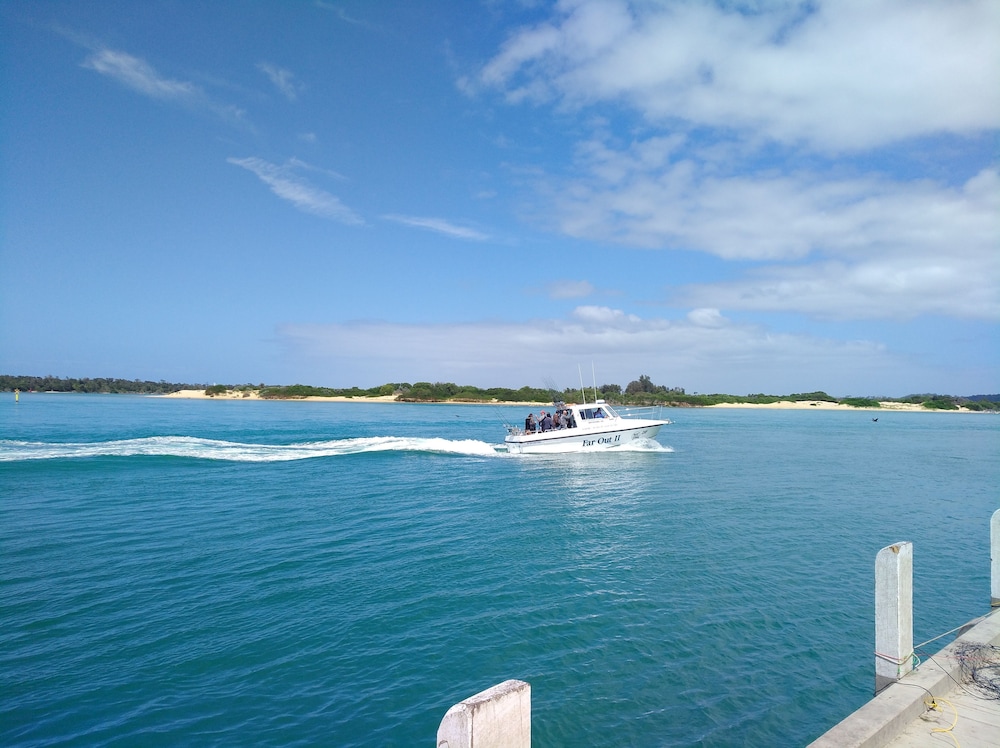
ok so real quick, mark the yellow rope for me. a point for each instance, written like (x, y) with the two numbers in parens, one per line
(933, 705)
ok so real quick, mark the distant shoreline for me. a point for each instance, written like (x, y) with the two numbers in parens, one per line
(255, 395)
(885, 407)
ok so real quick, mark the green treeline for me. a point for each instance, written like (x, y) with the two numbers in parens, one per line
(639, 392)
(99, 385)
(305, 390)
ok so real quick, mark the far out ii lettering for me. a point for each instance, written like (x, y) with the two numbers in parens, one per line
(602, 440)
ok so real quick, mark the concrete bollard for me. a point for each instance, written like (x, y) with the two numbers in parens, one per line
(893, 614)
(995, 559)
(499, 717)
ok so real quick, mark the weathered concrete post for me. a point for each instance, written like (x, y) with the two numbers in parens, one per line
(995, 559)
(499, 717)
(893, 614)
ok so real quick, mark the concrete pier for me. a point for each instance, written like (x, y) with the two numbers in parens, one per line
(499, 717)
(940, 701)
(905, 712)
(893, 614)
(995, 559)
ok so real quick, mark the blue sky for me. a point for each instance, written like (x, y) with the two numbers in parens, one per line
(728, 197)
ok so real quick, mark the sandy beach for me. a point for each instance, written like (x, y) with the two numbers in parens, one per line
(255, 395)
(781, 405)
(826, 405)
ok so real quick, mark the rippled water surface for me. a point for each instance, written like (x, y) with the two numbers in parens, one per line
(291, 573)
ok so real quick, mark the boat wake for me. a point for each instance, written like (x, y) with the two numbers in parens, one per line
(643, 445)
(212, 449)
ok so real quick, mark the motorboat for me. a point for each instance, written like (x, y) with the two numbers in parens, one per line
(582, 428)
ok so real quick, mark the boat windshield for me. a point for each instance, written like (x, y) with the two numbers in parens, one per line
(596, 411)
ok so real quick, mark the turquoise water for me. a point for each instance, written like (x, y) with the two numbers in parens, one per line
(289, 573)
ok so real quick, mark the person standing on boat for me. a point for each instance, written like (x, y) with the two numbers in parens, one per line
(529, 424)
(546, 421)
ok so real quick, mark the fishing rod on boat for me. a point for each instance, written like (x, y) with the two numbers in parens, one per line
(554, 392)
(593, 375)
(503, 418)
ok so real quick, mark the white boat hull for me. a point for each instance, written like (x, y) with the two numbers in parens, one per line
(597, 437)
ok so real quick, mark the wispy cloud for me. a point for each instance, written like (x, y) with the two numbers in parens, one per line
(704, 347)
(440, 226)
(342, 14)
(138, 75)
(570, 289)
(297, 163)
(283, 80)
(286, 184)
(858, 248)
(871, 289)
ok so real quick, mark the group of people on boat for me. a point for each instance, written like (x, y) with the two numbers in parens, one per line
(563, 418)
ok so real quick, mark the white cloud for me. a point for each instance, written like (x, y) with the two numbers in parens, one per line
(570, 289)
(286, 184)
(707, 317)
(283, 80)
(728, 96)
(343, 15)
(840, 75)
(440, 226)
(141, 77)
(297, 163)
(877, 289)
(705, 352)
(604, 318)
(878, 248)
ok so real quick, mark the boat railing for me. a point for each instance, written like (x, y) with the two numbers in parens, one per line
(648, 412)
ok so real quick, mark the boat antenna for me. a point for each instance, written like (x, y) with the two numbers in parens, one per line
(583, 393)
(593, 375)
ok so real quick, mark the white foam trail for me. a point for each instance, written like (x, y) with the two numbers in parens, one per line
(212, 449)
(644, 445)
